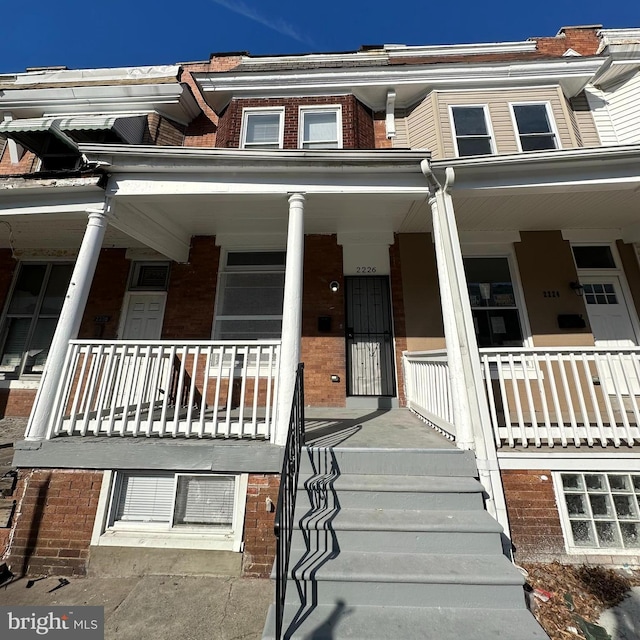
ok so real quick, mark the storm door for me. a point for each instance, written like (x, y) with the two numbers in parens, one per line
(369, 338)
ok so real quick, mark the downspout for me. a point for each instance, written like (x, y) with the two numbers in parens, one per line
(470, 407)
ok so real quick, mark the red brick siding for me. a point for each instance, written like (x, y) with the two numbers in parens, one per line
(259, 540)
(536, 532)
(380, 131)
(27, 164)
(323, 353)
(192, 291)
(582, 40)
(16, 403)
(54, 521)
(357, 120)
(163, 132)
(399, 326)
(106, 296)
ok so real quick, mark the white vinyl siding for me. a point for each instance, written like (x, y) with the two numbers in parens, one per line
(422, 130)
(616, 111)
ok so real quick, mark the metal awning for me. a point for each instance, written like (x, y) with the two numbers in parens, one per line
(26, 125)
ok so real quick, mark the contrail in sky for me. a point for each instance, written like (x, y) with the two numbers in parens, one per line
(275, 24)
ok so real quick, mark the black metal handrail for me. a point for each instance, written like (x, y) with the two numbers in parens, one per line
(283, 525)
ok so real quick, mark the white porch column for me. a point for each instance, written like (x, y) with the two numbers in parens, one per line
(68, 323)
(291, 316)
(470, 407)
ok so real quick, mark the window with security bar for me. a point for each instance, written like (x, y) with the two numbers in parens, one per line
(601, 510)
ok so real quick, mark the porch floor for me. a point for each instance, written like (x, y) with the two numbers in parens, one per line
(382, 428)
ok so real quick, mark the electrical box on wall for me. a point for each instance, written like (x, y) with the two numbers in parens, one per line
(571, 321)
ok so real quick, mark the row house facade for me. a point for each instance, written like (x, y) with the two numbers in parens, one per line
(451, 229)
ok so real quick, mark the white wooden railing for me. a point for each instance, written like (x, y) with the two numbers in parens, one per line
(167, 389)
(428, 389)
(542, 396)
(566, 396)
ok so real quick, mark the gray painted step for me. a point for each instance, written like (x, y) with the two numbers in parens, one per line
(390, 530)
(409, 462)
(410, 580)
(340, 620)
(396, 492)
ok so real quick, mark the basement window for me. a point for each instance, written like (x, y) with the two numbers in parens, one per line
(600, 511)
(188, 510)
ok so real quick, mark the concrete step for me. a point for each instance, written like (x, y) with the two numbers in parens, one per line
(388, 530)
(370, 461)
(343, 620)
(407, 579)
(391, 491)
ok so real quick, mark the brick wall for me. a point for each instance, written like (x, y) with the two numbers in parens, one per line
(399, 324)
(323, 352)
(16, 403)
(259, 540)
(583, 40)
(56, 511)
(533, 516)
(192, 291)
(162, 131)
(380, 131)
(357, 129)
(106, 296)
(27, 163)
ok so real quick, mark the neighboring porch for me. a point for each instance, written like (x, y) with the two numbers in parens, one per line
(541, 396)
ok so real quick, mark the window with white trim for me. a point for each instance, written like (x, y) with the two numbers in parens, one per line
(320, 128)
(600, 510)
(534, 125)
(262, 128)
(250, 296)
(31, 316)
(471, 130)
(494, 306)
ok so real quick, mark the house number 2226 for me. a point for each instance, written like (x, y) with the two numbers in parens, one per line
(365, 269)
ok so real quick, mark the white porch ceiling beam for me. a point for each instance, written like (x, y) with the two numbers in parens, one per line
(154, 231)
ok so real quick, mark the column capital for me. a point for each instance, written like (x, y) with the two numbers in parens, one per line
(296, 196)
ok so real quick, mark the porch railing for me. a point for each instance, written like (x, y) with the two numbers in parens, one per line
(167, 389)
(566, 396)
(283, 525)
(428, 389)
(541, 396)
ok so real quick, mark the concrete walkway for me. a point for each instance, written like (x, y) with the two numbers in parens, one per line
(623, 622)
(159, 607)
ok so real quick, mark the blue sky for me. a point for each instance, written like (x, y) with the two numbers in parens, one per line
(140, 32)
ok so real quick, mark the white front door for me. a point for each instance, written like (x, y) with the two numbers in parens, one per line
(143, 316)
(612, 328)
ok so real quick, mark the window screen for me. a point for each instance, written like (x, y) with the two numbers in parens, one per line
(320, 129)
(262, 129)
(205, 500)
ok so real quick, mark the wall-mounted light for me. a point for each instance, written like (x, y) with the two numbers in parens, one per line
(577, 288)
(334, 286)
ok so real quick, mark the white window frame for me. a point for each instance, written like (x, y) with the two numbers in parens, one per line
(550, 118)
(247, 112)
(224, 269)
(333, 108)
(498, 250)
(161, 535)
(565, 521)
(487, 121)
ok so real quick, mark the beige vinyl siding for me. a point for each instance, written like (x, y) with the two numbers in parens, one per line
(422, 127)
(601, 116)
(501, 120)
(583, 118)
(401, 141)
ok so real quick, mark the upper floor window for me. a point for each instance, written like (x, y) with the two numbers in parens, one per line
(535, 127)
(471, 130)
(262, 128)
(32, 315)
(320, 128)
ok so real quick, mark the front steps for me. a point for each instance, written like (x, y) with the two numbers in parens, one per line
(395, 544)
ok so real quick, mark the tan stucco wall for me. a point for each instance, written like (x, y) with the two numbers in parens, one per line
(423, 316)
(546, 264)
